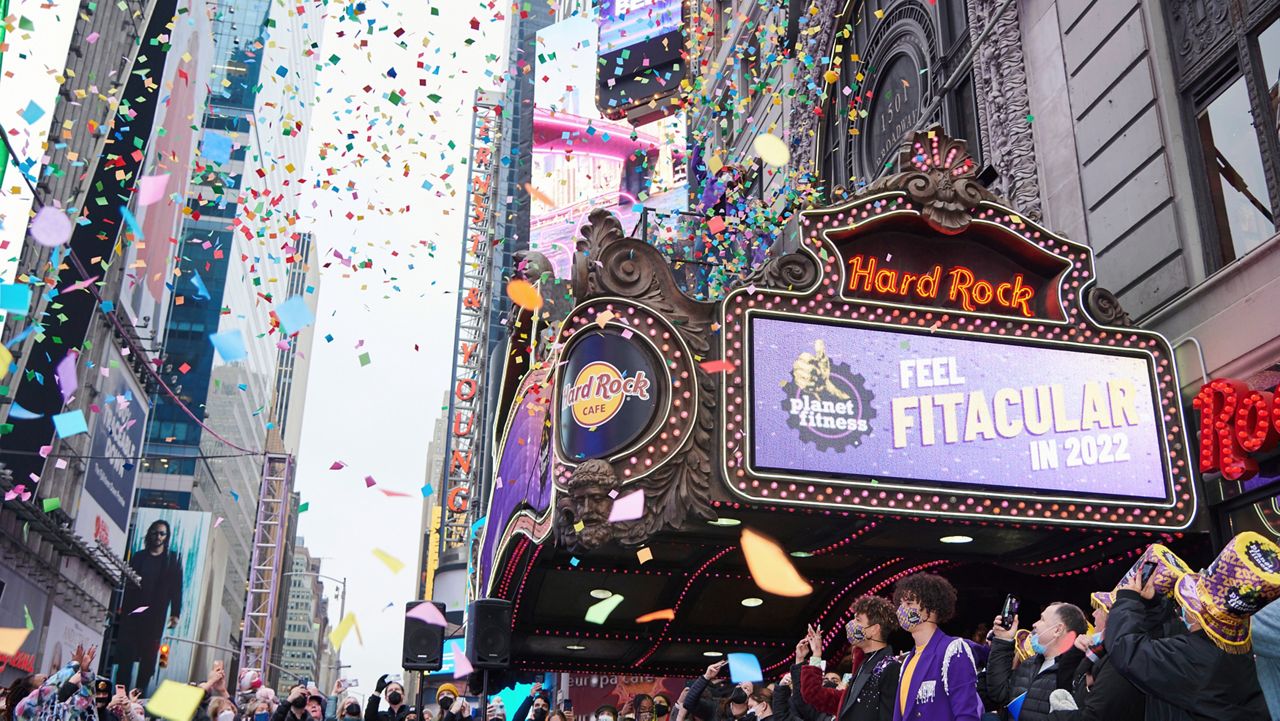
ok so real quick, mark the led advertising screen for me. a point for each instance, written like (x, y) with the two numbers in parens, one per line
(167, 550)
(626, 23)
(639, 69)
(582, 161)
(845, 401)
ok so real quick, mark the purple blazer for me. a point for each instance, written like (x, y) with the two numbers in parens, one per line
(944, 685)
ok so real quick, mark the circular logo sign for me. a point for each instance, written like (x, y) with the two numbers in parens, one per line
(827, 403)
(609, 394)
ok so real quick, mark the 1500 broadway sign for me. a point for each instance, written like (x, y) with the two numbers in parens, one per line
(951, 410)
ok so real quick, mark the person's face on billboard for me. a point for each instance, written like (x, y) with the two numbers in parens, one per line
(157, 537)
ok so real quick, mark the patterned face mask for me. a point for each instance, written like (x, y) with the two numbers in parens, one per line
(908, 618)
(855, 632)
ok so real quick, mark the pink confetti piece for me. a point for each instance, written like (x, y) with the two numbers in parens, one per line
(138, 610)
(369, 482)
(628, 507)
(151, 188)
(51, 227)
(461, 666)
(218, 521)
(337, 466)
(93, 38)
(427, 613)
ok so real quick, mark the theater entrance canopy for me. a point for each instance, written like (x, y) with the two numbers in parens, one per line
(928, 367)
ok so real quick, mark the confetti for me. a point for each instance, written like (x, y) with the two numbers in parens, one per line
(628, 507)
(772, 150)
(51, 227)
(524, 294)
(339, 632)
(229, 344)
(427, 613)
(70, 424)
(716, 366)
(599, 612)
(175, 701)
(151, 189)
(769, 566)
(294, 315)
(461, 665)
(11, 640)
(391, 562)
(666, 614)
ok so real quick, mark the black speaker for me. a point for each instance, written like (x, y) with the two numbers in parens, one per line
(489, 633)
(423, 642)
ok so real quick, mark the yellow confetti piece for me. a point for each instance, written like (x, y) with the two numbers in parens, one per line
(395, 564)
(11, 640)
(771, 149)
(5, 359)
(769, 566)
(879, 15)
(831, 77)
(605, 317)
(175, 701)
(644, 555)
(339, 632)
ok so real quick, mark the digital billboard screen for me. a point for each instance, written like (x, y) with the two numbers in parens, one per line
(899, 407)
(626, 23)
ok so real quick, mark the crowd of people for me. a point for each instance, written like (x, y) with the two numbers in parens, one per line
(1165, 644)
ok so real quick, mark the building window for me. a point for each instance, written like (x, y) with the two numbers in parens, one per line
(892, 79)
(1228, 65)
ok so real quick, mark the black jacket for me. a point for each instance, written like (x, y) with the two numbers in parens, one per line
(1187, 671)
(706, 709)
(804, 711)
(1110, 697)
(781, 704)
(371, 712)
(1004, 683)
(281, 712)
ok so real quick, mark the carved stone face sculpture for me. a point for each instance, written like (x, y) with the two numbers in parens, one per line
(589, 503)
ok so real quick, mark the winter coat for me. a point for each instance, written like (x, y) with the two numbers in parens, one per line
(285, 712)
(875, 689)
(1187, 671)
(1005, 683)
(371, 712)
(59, 699)
(781, 704)
(1110, 697)
(804, 711)
(1266, 647)
(705, 709)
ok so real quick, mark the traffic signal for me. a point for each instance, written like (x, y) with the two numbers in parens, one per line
(164, 655)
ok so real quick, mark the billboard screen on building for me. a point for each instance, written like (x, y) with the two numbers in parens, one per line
(114, 450)
(32, 62)
(627, 23)
(582, 161)
(846, 401)
(167, 550)
(149, 280)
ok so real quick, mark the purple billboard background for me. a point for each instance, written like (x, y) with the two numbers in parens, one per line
(524, 470)
(988, 366)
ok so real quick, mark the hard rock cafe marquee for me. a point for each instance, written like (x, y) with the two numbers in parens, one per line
(928, 365)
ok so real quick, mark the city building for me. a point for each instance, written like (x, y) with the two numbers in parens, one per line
(306, 624)
(62, 553)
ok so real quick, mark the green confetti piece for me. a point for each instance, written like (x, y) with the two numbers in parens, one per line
(26, 613)
(51, 504)
(302, 507)
(364, 360)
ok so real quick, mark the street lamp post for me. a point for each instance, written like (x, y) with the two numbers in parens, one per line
(342, 600)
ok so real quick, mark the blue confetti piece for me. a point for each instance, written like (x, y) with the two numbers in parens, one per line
(70, 424)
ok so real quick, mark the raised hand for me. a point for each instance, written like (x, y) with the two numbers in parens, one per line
(714, 669)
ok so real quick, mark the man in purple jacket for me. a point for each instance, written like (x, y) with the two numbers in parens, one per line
(939, 679)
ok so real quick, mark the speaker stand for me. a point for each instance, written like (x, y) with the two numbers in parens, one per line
(422, 688)
(484, 695)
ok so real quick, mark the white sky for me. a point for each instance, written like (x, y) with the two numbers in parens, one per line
(377, 419)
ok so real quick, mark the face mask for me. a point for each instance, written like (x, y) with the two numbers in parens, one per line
(227, 715)
(604, 717)
(394, 698)
(353, 709)
(446, 702)
(739, 695)
(661, 709)
(299, 702)
(828, 684)
(261, 716)
(1182, 613)
(908, 618)
(855, 632)
(1036, 646)
(539, 714)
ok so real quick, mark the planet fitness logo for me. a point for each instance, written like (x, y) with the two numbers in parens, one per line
(599, 390)
(827, 403)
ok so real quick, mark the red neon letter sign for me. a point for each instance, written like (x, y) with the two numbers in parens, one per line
(1234, 422)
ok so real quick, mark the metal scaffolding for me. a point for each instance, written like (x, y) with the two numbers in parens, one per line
(266, 563)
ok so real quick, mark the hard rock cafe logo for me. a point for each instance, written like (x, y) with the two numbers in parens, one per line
(600, 389)
(827, 402)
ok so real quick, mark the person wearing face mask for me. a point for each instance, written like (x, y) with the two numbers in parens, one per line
(535, 707)
(732, 707)
(661, 707)
(760, 704)
(1209, 672)
(1099, 692)
(1053, 666)
(606, 713)
(870, 694)
(294, 707)
(393, 692)
(939, 678)
(639, 708)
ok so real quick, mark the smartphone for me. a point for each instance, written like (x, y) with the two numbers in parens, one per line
(352, 683)
(567, 705)
(1009, 611)
(845, 679)
(119, 689)
(1148, 568)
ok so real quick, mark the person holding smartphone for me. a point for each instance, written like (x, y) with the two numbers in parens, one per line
(1053, 667)
(869, 695)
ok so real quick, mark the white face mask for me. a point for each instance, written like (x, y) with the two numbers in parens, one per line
(227, 715)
